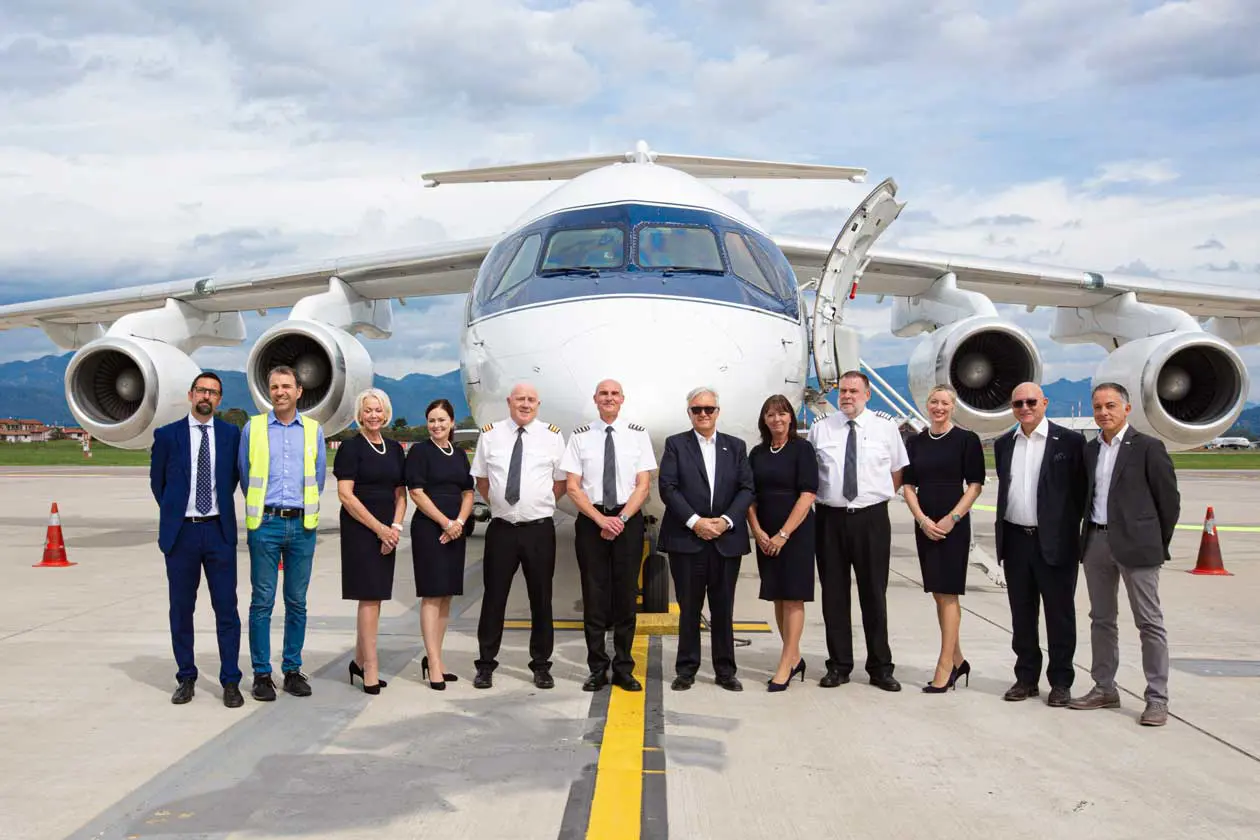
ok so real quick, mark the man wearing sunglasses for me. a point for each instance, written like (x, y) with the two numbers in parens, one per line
(193, 473)
(1041, 499)
(706, 484)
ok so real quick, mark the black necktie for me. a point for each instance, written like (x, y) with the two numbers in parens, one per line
(204, 500)
(849, 487)
(610, 469)
(513, 494)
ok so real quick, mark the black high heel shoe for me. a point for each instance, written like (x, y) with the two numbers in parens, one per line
(963, 670)
(372, 689)
(436, 686)
(356, 671)
(799, 668)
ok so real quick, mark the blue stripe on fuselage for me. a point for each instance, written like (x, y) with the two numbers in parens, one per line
(630, 279)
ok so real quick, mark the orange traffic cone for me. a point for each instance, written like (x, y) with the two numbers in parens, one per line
(54, 546)
(1209, 562)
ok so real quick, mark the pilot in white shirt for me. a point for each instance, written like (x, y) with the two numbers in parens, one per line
(854, 532)
(609, 464)
(517, 471)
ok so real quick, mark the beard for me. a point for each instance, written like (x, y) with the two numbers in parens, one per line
(203, 408)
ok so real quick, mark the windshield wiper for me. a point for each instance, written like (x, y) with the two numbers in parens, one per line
(585, 270)
(690, 269)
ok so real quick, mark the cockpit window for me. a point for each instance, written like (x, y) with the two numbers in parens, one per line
(679, 247)
(601, 247)
(522, 265)
(744, 265)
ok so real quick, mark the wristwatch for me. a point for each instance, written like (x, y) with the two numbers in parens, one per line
(955, 517)
(624, 519)
(782, 534)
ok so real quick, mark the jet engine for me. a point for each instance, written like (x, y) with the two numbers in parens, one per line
(332, 368)
(121, 388)
(983, 358)
(1185, 387)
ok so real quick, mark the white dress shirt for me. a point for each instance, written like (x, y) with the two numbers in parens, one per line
(584, 456)
(1026, 458)
(1107, 453)
(542, 447)
(708, 453)
(194, 437)
(881, 452)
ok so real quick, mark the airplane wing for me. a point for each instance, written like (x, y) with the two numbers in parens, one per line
(443, 269)
(907, 273)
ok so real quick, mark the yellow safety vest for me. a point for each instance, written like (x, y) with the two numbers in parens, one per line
(260, 466)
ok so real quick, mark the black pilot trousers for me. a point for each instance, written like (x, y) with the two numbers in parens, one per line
(860, 541)
(531, 546)
(610, 585)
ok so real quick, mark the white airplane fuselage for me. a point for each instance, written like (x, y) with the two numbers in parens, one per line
(657, 329)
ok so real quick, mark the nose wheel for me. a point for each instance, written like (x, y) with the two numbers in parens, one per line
(653, 574)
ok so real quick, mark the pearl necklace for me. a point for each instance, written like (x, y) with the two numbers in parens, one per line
(381, 451)
(774, 451)
(941, 435)
(444, 451)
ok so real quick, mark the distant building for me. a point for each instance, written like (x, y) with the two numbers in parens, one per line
(15, 430)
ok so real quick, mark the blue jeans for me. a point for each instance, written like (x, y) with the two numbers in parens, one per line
(273, 541)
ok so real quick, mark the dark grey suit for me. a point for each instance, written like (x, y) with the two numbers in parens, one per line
(1041, 562)
(1142, 508)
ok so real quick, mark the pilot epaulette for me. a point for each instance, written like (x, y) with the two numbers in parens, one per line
(554, 428)
(487, 427)
(583, 428)
(636, 427)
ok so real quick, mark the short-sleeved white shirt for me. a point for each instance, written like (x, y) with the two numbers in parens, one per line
(542, 448)
(880, 453)
(584, 456)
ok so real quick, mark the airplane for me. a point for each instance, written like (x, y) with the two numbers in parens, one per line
(635, 268)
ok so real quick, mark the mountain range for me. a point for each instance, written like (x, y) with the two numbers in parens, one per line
(36, 389)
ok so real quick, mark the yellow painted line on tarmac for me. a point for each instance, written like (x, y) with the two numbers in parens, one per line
(616, 808)
(1227, 529)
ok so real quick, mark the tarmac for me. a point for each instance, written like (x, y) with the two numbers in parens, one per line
(93, 748)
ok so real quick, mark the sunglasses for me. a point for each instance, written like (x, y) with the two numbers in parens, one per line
(703, 409)
(1025, 403)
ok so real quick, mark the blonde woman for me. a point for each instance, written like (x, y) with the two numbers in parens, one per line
(942, 481)
(371, 489)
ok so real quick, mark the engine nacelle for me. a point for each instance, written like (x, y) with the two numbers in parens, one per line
(121, 388)
(1185, 387)
(332, 367)
(982, 358)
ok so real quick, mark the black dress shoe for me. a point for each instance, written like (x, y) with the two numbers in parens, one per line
(1020, 691)
(484, 679)
(886, 682)
(682, 683)
(543, 679)
(183, 693)
(627, 682)
(730, 683)
(595, 681)
(264, 688)
(295, 683)
(232, 696)
(833, 678)
(1059, 696)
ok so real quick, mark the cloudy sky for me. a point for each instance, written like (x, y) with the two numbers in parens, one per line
(146, 140)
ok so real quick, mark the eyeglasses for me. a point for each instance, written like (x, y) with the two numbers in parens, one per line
(702, 409)
(1025, 403)
(207, 392)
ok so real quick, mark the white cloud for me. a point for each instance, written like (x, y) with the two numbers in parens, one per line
(1134, 172)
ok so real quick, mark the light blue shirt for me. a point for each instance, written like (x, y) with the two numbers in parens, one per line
(285, 479)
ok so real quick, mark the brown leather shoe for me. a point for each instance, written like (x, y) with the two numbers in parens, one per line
(1155, 714)
(1096, 699)
(1020, 691)
(1059, 697)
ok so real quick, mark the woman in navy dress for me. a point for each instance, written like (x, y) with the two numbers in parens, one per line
(942, 481)
(781, 520)
(441, 485)
(369, 472)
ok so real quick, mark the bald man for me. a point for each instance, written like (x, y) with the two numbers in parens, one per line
(609, 466)
(1041, 498)
(517, 471)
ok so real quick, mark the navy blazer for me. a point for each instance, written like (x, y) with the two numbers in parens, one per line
(170, 477)
(1060, 492)
(684, 488)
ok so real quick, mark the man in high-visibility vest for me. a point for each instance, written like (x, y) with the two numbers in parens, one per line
(282, 463)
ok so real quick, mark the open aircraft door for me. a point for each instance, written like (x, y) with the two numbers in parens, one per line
(835, 346)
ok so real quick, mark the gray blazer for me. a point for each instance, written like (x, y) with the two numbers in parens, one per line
(1143, 503)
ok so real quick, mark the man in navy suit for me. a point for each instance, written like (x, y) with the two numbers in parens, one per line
(193, 473)
(706, 483)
